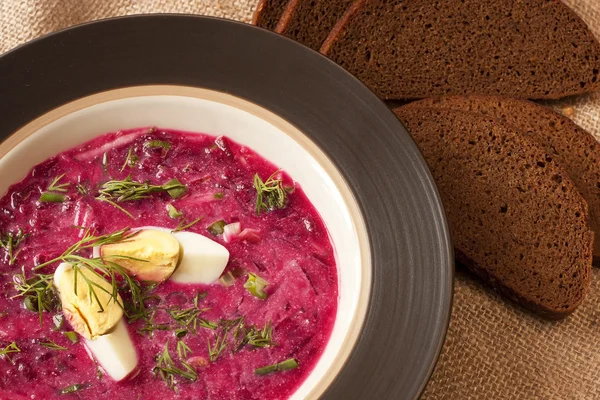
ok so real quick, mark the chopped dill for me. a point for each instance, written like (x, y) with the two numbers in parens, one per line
(11, 348)
(10, 242)
(270, 194)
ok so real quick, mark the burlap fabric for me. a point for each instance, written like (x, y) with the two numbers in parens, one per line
(493, 349)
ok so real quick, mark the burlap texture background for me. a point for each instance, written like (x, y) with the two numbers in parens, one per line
(493, 350)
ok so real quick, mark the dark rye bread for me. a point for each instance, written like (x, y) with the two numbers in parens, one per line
(268, 12)
(409, 49)
(309, 21)
(577, 151)
(515, 217)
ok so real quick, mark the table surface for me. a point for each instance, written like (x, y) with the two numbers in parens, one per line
(493, 350)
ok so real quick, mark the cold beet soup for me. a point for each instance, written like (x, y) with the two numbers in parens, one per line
(158, 264)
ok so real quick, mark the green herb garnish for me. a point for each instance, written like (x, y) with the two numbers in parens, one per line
(72, 388)
(181, 332)
(173, 212)
(11, 348)
(256, 285)
(56, 187)
(260, 338)
(288, 364)
(115, 205)
(182, 349)
(72, 336)
(131, 160)
(47, 197)
(168, 370)
(158, 144)
(117, 191)
(183, 225)
(53, 346)
(218, 195)
(269, 194)
(235, 333)
(190, 317)
(150, 327)
(81, 189)
(130, 190)
(50, 196)
(10, 243)
(217, 227)
(215, 350)
(143, 294)
(175, 188)
(38, 292)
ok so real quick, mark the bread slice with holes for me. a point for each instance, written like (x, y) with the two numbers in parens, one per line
(309, 21)
(515, 217)
(576, 150)
(268, 13)
(409, 49)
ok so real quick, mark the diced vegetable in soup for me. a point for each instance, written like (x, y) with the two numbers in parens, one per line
(157, 264)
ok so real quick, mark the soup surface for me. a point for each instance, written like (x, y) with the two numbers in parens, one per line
(216, 337)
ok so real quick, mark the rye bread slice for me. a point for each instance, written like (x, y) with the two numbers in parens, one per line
(309, 21)
(409, 49)
(515, 217)
(577, 151)
(268, 13)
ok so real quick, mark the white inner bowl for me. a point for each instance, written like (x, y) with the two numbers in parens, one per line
(213, 113)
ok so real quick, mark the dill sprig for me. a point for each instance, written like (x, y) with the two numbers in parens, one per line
(10, 242)
(39, 292)
(189, 317)
(270, 194)
(235, 334)
(129, 190)
(150, 326)
(11, 348)
(105, 269)
(168, 370)
(221, 343)
(117, 191)
(81, 189)
(56, 187)
(182, 349)
(183, 225)
(158, 144)
(131, 160)
(55, 191)
(73, 388)
(52, 345)
(140, 294)
(115, 205)
(260, 338)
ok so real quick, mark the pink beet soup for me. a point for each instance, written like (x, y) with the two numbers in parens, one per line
(288, 247)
